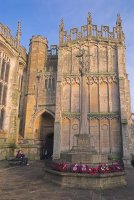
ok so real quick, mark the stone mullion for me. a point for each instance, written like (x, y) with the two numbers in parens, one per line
(70, 125)
(89, 123)
(89, 97)
(51, 82)
(2, 94)
(99, 119)
(89, 83)
(110, 139)
(47, 82)
(99, 100)
(89, 58)
(108, 97)
(2, 72)
(70, 109)
(98, 59)
(80, 97)
(107, 57)
(69, 61)
(71, 67)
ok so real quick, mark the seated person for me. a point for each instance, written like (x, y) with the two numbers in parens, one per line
(20, 156)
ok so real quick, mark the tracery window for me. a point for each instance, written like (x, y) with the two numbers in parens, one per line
(3, 69)
(4, 95)
(7, 72)
(2, 113)
(4, 76)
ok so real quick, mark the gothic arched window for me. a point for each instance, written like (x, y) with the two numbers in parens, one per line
(7, 72)
(3, 69)
(4, 95)
(0, 92)
(2, 113)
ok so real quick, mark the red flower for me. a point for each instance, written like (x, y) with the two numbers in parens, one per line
(83, 168)
(75, 168)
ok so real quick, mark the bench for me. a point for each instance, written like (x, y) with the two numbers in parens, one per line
(14, 161)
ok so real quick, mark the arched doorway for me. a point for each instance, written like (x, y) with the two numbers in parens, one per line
(46, 135)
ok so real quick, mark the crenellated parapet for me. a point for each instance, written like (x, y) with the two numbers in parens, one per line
(14, 42)
(91, 31)
(39, 39)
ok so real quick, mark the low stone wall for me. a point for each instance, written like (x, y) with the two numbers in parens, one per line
(31, 151)
(85, 181)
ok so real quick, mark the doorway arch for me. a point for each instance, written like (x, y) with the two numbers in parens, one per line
(46, 135)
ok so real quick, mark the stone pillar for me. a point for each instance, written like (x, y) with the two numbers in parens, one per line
(58, 110)
(83, 119)
(123, 101)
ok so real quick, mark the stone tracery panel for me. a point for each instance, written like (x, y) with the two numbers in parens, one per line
(66, 98)
(65, 136)
(115, 137)
(102, 59)
(103, 97)
(94, 133)
(75, 98)
(93, 59)
(113, 97)
(67, 61)
(75, 61)
(104, 136)
(112, 59)
(94, 98)
(74, 130)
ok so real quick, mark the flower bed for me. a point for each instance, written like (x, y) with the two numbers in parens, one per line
(102, 168)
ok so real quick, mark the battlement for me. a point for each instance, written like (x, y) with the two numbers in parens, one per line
(39, 38)
(91, 31)
(5, 32)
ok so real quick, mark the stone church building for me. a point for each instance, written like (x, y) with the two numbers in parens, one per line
(48, 96)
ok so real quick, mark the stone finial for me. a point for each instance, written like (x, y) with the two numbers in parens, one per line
(62, 25)
(119, 21)
(89, 18)
(18, 33)
(119, 28)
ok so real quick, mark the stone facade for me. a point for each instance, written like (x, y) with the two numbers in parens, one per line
(56, 94)
(12, 65)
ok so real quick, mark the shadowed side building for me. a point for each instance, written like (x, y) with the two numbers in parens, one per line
(12, 66)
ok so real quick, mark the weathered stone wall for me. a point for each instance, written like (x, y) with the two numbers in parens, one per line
(107, 89)
(47, 88)
(12, 64)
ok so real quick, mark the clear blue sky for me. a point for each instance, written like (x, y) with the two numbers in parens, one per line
(43, 17)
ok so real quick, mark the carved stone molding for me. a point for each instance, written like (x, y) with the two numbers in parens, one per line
(95, 79)
(70, 116)
(71, 80)
(100, 116)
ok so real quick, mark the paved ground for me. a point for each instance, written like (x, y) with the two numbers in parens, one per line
(26, 183)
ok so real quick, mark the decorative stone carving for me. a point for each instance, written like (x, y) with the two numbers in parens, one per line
(98, 79)
(71, 80)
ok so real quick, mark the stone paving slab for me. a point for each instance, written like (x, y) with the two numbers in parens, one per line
(27, 183)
